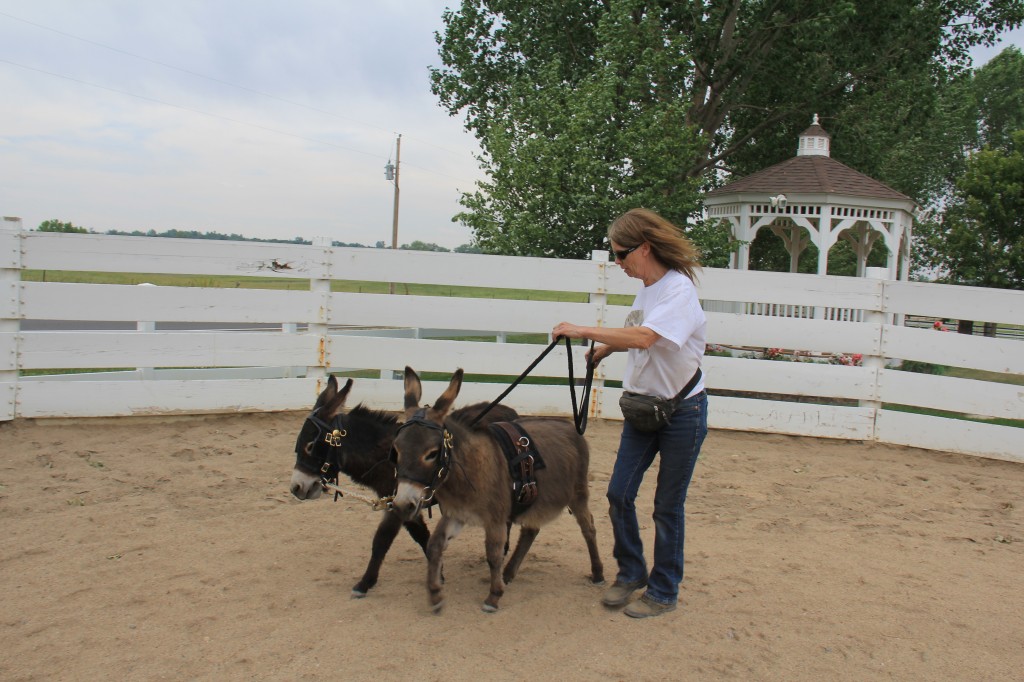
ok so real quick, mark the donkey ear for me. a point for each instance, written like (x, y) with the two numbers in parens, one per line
(444, 403)
(413, 389)
(344, 391)
(336, 402)
(329, 393)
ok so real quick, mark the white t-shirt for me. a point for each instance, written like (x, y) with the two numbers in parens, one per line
(669, 307)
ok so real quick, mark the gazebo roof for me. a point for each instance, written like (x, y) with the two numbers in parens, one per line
(810, 175)
(811, 171)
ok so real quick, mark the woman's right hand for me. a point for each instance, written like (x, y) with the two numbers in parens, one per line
(598, 353)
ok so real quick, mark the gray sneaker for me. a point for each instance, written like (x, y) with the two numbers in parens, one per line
(645, 607)
(619, 593)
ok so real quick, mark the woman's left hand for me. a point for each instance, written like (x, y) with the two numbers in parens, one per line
(571, 331)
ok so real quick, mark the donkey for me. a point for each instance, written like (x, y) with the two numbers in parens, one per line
(466, 472)
(357, 444)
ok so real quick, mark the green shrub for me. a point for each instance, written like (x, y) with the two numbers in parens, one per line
(921, 367)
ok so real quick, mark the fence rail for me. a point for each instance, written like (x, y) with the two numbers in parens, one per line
(203, 349)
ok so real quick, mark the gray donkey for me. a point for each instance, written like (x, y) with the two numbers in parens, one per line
(465, 472)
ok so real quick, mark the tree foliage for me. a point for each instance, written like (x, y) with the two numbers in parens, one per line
(55, 225)
(584, 109)
(423, 246)
(980, 238)
(973, 235)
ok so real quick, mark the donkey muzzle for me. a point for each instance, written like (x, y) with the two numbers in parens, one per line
(408, 500)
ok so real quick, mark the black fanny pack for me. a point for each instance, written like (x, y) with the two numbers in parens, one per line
(649, 413)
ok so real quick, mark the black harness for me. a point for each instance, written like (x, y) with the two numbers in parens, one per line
(329, 468)
(331, 434)
(521, 455)
(444, 459)
(523, 460)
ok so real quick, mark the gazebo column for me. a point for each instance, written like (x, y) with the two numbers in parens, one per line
(742, 257)
(905, 253)
(795, 240)
(862, 237)
(742, 233)
(825, 240)
(904, 262)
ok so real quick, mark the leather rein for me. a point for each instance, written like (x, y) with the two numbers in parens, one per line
(579, 411)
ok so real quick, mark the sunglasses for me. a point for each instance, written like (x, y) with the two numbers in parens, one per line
(621, 255)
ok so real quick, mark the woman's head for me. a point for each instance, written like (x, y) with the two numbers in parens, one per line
(667, 243)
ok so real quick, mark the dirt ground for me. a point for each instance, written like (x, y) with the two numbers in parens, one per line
(171, 549)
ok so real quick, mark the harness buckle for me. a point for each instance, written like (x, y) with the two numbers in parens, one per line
(334, 437)
(528, 493)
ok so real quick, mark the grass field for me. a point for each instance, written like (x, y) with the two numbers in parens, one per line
(353, 286)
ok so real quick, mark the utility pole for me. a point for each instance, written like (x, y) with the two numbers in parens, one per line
(391, 173)
(398, 166)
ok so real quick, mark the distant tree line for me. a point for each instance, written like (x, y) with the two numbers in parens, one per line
(55, 225)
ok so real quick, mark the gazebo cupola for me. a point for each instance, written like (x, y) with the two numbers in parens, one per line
(814, 141)
(812, 198)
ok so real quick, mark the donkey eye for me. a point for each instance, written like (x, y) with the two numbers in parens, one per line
(432, 455)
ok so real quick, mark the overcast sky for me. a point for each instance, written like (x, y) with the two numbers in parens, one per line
(270, 119)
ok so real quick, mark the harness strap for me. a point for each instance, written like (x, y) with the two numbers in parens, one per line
(579, 415)
(444, 460)
(523, 460)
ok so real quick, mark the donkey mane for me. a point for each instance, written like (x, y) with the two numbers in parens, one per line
(370, 433)
(379, 418)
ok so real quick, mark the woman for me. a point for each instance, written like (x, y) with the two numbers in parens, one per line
(664, 338)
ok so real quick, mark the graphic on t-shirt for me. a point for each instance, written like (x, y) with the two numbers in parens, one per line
(639, 355)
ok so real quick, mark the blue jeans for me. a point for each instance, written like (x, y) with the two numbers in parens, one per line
(679, 443)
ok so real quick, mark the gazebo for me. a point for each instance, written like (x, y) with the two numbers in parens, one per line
(812, 198)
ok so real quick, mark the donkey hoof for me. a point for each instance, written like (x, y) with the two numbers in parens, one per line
(358, 594)
(489, 608)
(436, 608)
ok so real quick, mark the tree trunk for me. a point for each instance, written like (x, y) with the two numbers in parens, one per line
(965, 327)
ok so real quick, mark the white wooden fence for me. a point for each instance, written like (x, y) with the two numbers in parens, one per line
(316, 331)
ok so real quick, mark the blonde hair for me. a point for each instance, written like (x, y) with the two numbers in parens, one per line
(668, 244)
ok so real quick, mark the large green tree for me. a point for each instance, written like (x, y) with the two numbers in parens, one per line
(584, 109)
(974, 233)
(980, 240)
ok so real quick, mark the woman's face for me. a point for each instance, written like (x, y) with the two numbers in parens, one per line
(627, 258)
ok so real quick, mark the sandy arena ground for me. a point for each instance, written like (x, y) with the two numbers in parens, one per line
(171, 549)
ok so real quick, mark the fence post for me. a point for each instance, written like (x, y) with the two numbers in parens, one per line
(599, 297)
(320, 284)
(10, 315)
(876, 361)
(145, 373)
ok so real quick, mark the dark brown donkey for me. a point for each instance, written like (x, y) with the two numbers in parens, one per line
(357, 444)
(466, 472)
